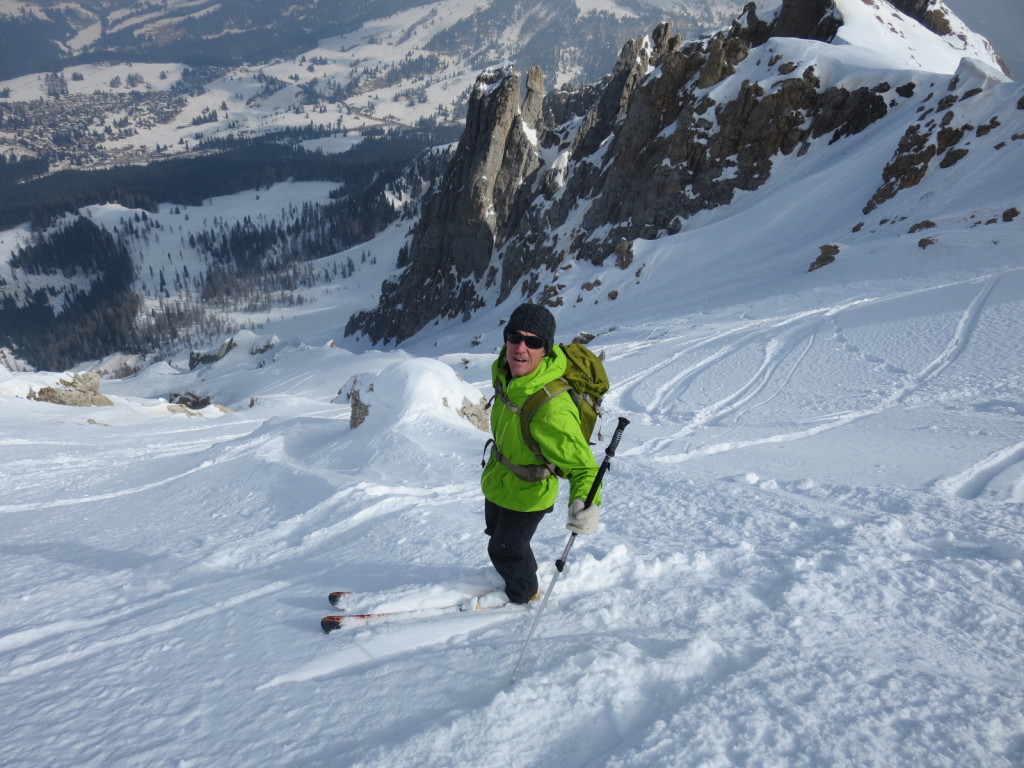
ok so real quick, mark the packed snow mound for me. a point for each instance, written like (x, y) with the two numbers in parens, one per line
(975, 74)
(409, 389)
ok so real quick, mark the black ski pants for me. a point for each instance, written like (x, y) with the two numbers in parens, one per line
(509, 548)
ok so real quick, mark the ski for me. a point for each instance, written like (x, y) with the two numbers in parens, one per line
(330, 623)
(336, 598)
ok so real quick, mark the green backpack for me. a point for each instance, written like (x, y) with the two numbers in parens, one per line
(586, 382)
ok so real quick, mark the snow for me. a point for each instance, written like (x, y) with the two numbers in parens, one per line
(812, 542)
(811, 551)
(596, 6)
(883, 29)
(97, 77)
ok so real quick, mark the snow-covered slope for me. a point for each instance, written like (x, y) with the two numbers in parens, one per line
(811, 549)
(891, 35)
(812, 542)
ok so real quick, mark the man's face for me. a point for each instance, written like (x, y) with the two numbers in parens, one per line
(522, 359)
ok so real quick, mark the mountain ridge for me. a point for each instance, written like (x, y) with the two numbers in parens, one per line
(675, 130)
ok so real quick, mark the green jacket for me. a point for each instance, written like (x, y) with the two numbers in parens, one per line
(555, 427)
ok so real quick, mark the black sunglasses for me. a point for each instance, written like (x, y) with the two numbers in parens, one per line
(515, 337)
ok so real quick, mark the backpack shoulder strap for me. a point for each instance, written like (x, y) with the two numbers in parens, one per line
(533, 404)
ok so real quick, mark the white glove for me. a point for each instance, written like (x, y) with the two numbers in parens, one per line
(582, 519)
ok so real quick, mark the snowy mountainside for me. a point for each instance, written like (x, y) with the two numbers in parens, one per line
(683, 134)
(376, 69)
(811, 548)
(250, 107)
(811, 544)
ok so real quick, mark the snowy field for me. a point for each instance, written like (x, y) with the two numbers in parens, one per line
(811, 554)
(812, 543)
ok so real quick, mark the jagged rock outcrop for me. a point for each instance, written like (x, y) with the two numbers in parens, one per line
(671, 132)
(191, 400)
(197, 358)
(478, 197)
(82, 390)
(255, 344)
(807, 19)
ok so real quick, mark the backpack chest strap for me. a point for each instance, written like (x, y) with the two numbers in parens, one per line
(530, 473)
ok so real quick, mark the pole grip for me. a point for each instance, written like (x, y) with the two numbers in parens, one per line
(609, 452)
(613, 445)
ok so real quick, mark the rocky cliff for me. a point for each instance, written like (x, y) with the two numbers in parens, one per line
(538, 180)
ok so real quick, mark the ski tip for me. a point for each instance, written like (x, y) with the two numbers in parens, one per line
(337, 597)
(330, 623)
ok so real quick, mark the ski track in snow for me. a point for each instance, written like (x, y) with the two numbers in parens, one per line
(971, 483)
(151, 452)
(779, 339)
(311, 528)
(705, 606)
(90, 645)
(396, 641)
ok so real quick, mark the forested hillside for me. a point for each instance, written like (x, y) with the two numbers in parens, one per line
(248, 265)
(94, 314)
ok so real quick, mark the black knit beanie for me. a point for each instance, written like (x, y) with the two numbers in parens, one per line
(535, 319)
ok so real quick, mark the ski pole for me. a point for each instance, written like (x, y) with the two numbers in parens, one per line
(609, 453)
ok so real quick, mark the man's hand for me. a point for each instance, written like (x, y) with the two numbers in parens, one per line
(582, 519)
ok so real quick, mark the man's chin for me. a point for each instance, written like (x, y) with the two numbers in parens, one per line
(518, 369)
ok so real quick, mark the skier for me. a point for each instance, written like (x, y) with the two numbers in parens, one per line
(518, 488)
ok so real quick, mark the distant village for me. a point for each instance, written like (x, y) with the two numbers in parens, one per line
(71, 130)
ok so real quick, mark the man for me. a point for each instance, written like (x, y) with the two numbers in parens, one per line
(518, 488)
